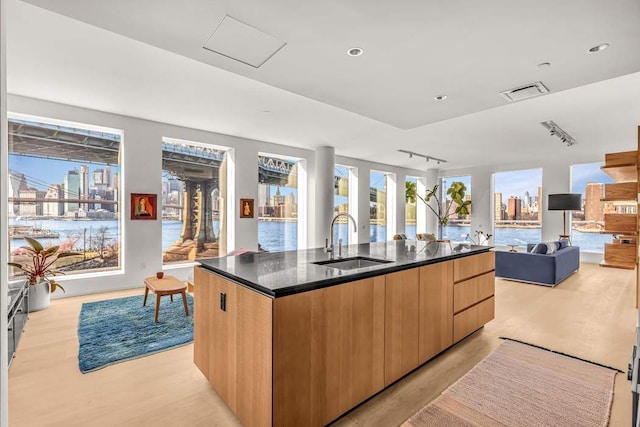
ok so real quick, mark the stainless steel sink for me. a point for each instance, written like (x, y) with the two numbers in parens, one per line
(352, 263)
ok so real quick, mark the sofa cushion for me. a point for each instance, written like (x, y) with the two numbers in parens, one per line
(563, 244)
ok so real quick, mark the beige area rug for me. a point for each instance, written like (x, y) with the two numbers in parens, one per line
(521, 385)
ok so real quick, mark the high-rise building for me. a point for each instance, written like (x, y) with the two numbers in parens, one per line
(84, 185)
(540, 204)
(593, 205)
(278, 199)
(527, 199)
(71, 191)
(31, 208)
(115, 181)
(54, 208)
(17, 182)
(264, 194)
(97, 177)
(106, 175)
(497, 206)
(514, 208)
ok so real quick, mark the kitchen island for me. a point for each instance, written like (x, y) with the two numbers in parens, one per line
(295, 338)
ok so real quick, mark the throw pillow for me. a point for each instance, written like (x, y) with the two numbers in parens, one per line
(563, 243)
(545, 248)
(540, 248)
(552, 247)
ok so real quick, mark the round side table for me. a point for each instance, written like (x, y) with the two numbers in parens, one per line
(513, 248)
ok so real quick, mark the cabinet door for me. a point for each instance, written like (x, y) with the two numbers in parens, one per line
(328, 351)
(201, 312)
(240, 349)
(401, 324)
(223, 339)
(436, 309)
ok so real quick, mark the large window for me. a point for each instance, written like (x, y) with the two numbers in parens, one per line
(277, 204)
(589, 180)
(344, 201)
(64, 190)
(193, 201)
(379, 209)
(410, 211)
(518, 207)
(459, 225)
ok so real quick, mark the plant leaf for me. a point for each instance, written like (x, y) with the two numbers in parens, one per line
(34, 244)
(16, 265)
(68, 254)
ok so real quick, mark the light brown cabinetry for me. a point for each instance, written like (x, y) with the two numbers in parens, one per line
(401, 323)
(307, 358)
(328, 351)
(623, 251)
(436, 309)
(233, 347)
(473, 293)
(201, 321)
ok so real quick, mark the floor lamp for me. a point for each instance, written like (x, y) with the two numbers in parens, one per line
(565, 202)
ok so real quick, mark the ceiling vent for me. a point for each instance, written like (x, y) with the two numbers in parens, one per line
(524, 92)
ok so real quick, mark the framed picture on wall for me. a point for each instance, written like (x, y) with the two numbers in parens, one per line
(144, 206)
(246, 208)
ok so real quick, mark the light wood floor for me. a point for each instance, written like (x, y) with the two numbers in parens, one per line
(590, 315)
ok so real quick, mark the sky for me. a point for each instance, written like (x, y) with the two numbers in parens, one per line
(41, 173)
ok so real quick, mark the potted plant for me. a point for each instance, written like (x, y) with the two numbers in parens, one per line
(443, 211)
(39, 270)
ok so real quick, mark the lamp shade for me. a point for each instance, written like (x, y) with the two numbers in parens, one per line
(565, 202)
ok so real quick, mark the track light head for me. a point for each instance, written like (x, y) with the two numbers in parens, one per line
(558, 132)
(424, 156)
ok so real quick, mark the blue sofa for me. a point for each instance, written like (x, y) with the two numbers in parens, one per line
(543, 269)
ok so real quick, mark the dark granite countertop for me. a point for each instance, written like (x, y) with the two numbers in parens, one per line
(277, 274)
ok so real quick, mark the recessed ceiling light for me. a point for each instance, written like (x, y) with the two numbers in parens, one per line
(441, 97)
(544, 65)
(355, 51)
(600, 47)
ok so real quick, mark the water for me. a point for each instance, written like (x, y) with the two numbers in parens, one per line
(278, 236)
(588, 242)
(79, 233)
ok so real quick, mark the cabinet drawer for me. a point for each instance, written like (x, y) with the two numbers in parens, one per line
(470, 291)
(473, 265)
(473, 318)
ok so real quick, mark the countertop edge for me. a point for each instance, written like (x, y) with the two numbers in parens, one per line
(325, 283)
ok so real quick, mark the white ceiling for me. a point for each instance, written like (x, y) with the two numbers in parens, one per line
(146, 60)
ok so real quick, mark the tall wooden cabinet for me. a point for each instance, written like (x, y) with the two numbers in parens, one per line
(622, 252)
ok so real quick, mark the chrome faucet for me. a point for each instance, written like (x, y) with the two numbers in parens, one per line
(328, 247)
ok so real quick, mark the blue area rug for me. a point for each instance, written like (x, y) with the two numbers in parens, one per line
(116, 330)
